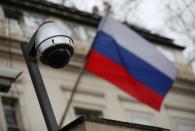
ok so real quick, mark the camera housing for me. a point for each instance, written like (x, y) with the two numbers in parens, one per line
(52, 45)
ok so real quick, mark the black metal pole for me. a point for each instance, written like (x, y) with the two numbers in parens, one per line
(40, 90)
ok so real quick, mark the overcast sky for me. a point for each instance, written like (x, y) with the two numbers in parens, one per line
(149, 14)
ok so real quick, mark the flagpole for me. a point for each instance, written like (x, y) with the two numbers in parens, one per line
(72, 95)
(78, 81)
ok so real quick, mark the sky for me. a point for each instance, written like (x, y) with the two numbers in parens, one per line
(150, 14)
(153, 15)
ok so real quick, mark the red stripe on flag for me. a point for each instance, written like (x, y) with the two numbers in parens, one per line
(116, 74)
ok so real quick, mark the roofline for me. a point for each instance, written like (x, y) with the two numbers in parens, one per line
(83, 119)
(81, 17)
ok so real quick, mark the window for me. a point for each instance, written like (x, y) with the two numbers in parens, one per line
(91, 34)
(9, 107)
(145, 120)
(185, 127)
(12, 13)
(32, 21)
(82, 33)
(68, 29)
(87, 112)
(140, 117)
(182, 117)
(14, 21)
(193, 66)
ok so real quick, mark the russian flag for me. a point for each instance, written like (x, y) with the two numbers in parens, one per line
(131, 63)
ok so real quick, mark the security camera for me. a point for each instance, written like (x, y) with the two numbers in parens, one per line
(52, 45)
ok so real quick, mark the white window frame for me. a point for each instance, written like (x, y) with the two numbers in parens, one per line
(176, 121)
(180, 115)
(133, 114)
(3, 124)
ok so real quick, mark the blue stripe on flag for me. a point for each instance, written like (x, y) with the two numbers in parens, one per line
(138, 68)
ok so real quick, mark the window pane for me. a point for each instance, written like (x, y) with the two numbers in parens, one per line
(9, 107)
(138, 118)
(82, 33)
(87, 112)
(193, 66)
(68, 30)
(91, 34)
(13, 129)
(141, 120)
(185, 127)
(10, 117)
(12, 13)
(32, 21)
(8, 102)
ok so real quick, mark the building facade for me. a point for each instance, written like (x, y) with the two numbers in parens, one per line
(19, 108)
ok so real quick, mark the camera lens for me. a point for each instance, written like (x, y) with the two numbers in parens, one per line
(57, 56)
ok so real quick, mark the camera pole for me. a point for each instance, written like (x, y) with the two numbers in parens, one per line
(40, 90)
